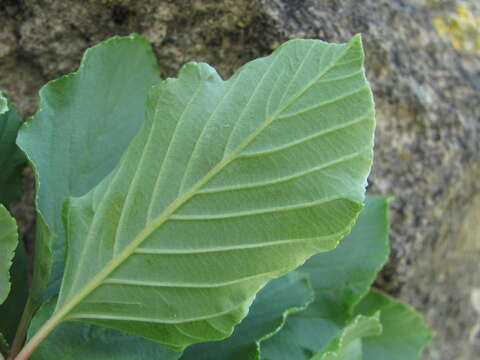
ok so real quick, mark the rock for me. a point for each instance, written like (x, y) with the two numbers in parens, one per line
(426, 85)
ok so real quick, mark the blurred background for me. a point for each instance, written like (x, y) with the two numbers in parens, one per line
(423, 60)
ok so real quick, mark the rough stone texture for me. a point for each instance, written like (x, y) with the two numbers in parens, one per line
(428, 105)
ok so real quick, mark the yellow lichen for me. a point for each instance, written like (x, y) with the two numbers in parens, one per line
(462, 29)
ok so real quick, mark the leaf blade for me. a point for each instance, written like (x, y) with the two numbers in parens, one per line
(349, 344)
(203, 151)
(404, 335)
(66, 139)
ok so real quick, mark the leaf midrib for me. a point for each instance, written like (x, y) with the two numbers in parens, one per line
(61, 313)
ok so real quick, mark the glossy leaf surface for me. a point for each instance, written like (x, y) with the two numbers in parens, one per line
(340, 279)
(228, 185)
(85, 122)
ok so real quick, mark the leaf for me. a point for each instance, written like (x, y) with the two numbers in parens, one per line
(404, 335)
(340, 279)
(8, 243)
(11, 310)
(348, 345)
(78, 341)
(228, 185)
(11, 158)
(267, 314)
(85, 122)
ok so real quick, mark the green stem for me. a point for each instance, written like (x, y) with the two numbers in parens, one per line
(21, 333)
(41, 334)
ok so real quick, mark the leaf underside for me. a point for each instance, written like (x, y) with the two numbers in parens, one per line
(228, 185)
(11, 158)
(80, 341)
(84, 124)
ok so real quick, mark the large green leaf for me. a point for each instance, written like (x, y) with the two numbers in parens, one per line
(85, 122)
(340, 279)
(11, 310)
(8, 244)
(11, 158)
(78, 341)
(349, 344)
(229, 184)
(267, 314)
(404, 334)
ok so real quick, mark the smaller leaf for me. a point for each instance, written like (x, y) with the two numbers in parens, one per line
(348, 345)
(11, 310)
(404, 335)
(8, 243)
(340, 278)
(11, 157)
(77, 341)
(267, 315)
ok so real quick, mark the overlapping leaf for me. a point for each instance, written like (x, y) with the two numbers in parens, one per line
(267, 314)
(340, 279)
(11, 310)
(349, 344)
(229, 184)
(11, 158)
(85, 122)
(404, 333)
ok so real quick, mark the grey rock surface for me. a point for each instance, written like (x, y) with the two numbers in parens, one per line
(428, 111)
